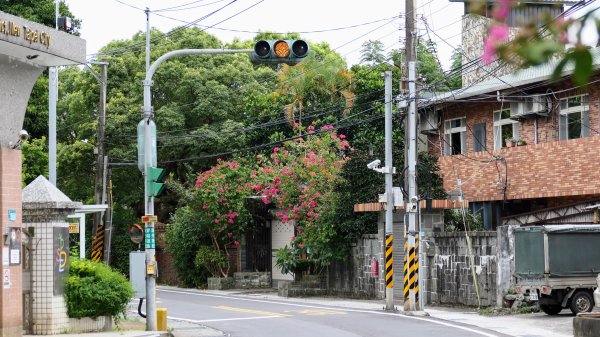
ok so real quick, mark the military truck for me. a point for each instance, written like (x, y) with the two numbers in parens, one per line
(557, 266)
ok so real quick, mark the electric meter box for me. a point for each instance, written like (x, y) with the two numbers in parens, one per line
(137, 273)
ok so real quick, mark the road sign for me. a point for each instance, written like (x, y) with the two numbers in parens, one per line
(73, 228)
(149, 218)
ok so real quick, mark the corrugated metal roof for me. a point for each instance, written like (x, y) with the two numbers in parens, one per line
(522, 77)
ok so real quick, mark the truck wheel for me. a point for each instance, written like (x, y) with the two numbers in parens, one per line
(581, 302)
(551, 309)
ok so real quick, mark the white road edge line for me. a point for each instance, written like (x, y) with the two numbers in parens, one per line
(328, 308)
(221, 319)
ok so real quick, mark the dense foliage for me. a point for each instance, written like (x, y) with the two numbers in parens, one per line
(94, 289)
(222, 106)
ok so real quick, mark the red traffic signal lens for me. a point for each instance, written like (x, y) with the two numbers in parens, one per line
(282, 49)
(262, 48)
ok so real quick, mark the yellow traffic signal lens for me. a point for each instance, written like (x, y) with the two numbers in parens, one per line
(281, 49)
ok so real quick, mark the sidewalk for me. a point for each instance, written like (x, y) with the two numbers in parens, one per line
(519, 325)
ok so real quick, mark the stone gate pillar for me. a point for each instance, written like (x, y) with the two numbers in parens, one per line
(45, 210)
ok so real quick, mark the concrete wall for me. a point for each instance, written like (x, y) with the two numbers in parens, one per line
(451, 276)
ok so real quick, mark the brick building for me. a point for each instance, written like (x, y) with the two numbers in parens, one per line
(554, 125)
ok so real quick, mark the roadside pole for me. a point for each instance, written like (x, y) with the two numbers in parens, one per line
(413, 201)
(151, 319)
(389, 206)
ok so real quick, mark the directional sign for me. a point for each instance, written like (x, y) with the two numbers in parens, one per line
(149, 218)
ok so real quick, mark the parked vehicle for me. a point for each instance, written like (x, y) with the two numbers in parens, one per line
(557, 266)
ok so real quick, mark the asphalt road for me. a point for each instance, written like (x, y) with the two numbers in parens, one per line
(248, 317)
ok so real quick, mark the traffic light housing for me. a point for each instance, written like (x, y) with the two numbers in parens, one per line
(290, 52)
(153, 180)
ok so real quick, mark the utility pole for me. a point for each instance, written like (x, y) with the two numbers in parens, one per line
(389, 206)
(98, 226)
(52, 99)
(412, 204)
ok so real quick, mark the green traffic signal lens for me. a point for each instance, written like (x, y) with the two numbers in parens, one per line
(262, 48)
(300, 48)
(282, 49)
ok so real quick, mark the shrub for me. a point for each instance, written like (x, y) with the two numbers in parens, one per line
(211, 259)
(94, 289)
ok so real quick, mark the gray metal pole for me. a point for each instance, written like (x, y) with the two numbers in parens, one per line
(149, 200)
(151, 319)
(52, 99)
(389, 216)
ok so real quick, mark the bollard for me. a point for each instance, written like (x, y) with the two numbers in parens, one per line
(161, 319)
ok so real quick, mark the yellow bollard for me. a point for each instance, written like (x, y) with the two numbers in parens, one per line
(161, 319)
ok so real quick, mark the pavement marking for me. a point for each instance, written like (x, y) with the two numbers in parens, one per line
(329, 308)
(267, 313)
(219, 319)
(320, 312)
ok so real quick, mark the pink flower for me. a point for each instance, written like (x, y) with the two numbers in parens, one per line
(229, 235)
(313, 203)
(265, 200)
(342, 136)
(502, 10)
(217, 221)
(276, 150)
(285, 218)
(236, 243)
(497, 35)
(311, 129)
(230, 221)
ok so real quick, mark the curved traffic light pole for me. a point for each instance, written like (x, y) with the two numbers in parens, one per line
(151, 321)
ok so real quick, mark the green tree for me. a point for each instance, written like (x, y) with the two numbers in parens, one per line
(455, 78)
(372, 53)
(40, 11)
(34, 155)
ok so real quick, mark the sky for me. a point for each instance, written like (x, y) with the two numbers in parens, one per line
(345, 25)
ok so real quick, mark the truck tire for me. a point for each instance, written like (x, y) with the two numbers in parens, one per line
(551, 309)
(581, 301)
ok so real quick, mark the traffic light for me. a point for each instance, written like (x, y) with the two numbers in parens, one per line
(154, 176)
(279, 51)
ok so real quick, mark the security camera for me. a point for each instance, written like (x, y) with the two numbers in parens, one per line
(23, 135)
(374, 164)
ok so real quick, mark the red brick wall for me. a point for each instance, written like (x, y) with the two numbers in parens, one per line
(550, 168)
(11, 299)
(166, 272)
(554, 169)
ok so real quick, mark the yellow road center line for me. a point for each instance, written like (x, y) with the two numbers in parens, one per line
(251, 311)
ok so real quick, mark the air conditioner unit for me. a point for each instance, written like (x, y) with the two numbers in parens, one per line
(531, 107)
(429, 122)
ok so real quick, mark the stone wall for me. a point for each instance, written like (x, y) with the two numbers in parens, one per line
(252, 280)
(354, 277)
(451, 277)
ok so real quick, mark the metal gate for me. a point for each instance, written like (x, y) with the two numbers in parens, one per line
(27, 240)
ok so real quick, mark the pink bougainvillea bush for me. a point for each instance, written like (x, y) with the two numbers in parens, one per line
(298, 179)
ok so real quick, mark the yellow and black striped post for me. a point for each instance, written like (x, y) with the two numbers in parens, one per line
(98, 244)
(413, 264)
(405, 269)
(417, 270)
(389, 262)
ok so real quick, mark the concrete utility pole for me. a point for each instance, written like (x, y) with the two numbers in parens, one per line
(389, 206)
(100, 172)
(412, 204)
(149, 199)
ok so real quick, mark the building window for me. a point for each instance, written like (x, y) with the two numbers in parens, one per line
(479, 137)
(574, 118)
(504, 128)
(455, 136)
